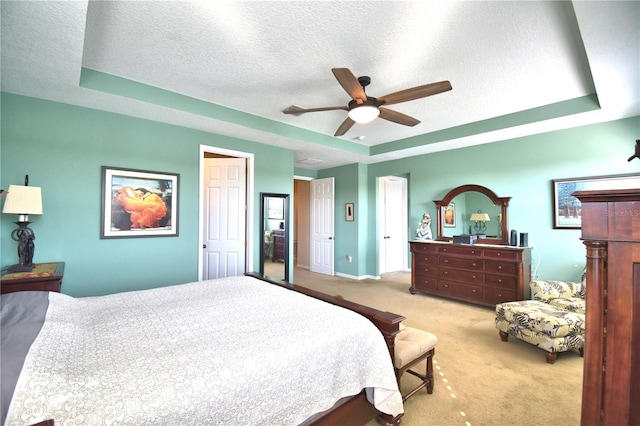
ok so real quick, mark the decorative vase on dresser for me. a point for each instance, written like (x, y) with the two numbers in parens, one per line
(476, 273)
(611, 234)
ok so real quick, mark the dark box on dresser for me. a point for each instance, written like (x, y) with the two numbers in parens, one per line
(465, 239)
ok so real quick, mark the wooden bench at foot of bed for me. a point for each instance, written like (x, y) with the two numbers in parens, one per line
(355, 410)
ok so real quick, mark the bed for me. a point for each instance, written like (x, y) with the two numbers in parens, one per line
(238, 350)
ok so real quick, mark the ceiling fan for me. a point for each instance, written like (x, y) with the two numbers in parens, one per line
(363, 109)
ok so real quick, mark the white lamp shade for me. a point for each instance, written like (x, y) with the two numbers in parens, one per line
(23, 200)
(480, 217)
(364, 114)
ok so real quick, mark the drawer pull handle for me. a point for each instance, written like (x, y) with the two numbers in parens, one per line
(499, 294)
(474, 264)
(474, 291)
(446, 285)
(500, 267)
(474, 277)
(499, 280)
(446, 261)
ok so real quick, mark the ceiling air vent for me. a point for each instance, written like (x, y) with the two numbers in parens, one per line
(309, 161)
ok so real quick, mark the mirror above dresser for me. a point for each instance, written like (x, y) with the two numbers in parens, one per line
(473, 209)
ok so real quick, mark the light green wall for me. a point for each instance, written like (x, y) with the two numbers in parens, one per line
(522, 169)
(346, 234)
(62, 149)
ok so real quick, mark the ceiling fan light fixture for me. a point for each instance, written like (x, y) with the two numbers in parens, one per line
(364, 114)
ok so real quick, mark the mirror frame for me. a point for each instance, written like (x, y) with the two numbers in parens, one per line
(285, 197)
(503, 202)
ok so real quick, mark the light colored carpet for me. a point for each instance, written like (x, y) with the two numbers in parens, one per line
(480, 380)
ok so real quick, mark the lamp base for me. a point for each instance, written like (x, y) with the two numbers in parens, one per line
(20, 268)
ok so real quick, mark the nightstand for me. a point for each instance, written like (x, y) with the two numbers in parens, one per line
(43, 277)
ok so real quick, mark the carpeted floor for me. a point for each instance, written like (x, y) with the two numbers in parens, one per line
(480, 380)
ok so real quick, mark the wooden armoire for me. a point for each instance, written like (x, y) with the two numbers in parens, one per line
(611, 234)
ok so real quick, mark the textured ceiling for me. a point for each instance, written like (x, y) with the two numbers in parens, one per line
(234, 66)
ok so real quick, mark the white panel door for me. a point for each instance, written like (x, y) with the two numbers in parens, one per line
(224, 211)
(322, 216)
(393, 224)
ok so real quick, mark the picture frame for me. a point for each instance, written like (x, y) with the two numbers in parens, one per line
(138, 203)
(567, 209)
(449, 215)
(275, 208)
(349, 212)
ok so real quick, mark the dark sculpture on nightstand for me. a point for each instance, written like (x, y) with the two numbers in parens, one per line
(26, 247)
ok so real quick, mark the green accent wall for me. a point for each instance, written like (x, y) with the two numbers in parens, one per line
(523, 169)
(62, 148)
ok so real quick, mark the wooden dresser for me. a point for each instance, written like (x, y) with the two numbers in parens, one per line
(611, 234)
(482, 274)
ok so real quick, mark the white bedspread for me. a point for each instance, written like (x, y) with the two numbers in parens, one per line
(234, 351)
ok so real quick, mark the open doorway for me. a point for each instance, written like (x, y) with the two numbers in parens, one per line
(301, 221)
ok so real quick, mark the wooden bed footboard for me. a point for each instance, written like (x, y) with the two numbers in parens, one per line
(357, 410)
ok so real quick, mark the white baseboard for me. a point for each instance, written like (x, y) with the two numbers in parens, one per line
(357, 277)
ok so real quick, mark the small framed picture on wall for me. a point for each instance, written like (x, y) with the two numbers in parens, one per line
(349, 212)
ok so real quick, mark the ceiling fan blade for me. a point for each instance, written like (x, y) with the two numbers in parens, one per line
(296, 110)
(398, 117)
(349, 83)
(416, 93)
(346, 125)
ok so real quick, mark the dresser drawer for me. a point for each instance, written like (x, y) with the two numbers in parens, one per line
(426, 284)
(461, 250)
(461, 262)
(426, 269)
(498, 267)
(502, 254)
(460, 290)
(425, 258)
(424, 248)
(493, 295)
(471, 277)
(502, 281)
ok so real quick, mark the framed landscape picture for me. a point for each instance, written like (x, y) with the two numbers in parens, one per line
(138, 203)
(567, 209)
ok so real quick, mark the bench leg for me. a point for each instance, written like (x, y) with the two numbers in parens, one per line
(551, 356)
(504, 336)
(430, 372)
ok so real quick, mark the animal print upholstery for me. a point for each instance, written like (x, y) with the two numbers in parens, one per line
(554, 320)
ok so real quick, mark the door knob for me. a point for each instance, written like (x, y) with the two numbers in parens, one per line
(204, 246)
(331, 238)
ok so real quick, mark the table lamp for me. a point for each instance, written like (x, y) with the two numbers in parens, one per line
(480, 219)
(23, 201)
